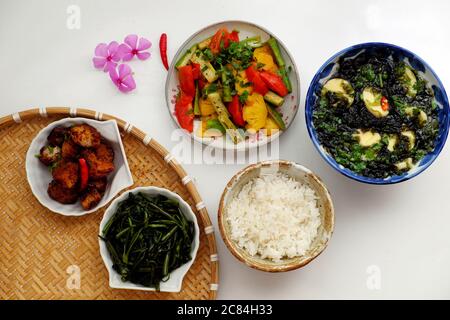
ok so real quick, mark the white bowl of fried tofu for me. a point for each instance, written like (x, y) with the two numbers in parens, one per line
(76, 166)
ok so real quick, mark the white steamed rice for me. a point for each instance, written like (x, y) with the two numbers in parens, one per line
(274, 216)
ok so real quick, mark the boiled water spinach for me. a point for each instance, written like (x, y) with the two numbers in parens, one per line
(147, 238)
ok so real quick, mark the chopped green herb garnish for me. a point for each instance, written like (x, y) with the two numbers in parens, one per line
(243, 97)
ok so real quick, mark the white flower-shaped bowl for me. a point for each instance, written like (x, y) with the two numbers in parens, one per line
(39, 176)
(174, 284)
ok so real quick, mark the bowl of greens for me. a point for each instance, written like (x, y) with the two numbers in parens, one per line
(233, 85)
(377, 113)
(148, 239)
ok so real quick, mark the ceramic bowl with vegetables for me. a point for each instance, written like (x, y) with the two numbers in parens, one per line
(149, 238)
(377, 113)
(233, 85)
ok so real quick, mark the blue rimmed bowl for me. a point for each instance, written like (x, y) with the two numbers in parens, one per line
(330, 67)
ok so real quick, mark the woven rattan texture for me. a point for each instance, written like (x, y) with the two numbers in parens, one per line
(42, 252)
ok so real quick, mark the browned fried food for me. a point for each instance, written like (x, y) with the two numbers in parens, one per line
(69, 150)
(105, 152)
(90, 198)
(58, 193)
(86, 136)
(99, 184)
(57, 136)
(66, 174)
(50, 155)
(97, 168)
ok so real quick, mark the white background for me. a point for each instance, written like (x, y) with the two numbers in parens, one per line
(402, 229)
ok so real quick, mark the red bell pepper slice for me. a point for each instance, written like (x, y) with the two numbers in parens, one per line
(274, 82)
(230, 37)
(384, 104)
(186, 77)
(235, 109)
(216, 39)
(202, 82)
(185, 112)
(234, 36)
(255, 78)
(84, 173)
(196, 71)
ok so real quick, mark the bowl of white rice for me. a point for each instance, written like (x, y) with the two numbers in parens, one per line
(276, 216)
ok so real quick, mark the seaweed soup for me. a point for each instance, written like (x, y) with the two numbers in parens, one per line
(376, 115)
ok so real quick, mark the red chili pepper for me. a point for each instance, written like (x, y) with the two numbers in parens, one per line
(255, 78)
(185, 112)
(186, 77)
(163, 50)
(235, 109)
(84, 173)
(196, 71)
(384, 104)
(274, 82)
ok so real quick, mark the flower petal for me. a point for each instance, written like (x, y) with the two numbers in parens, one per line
(112, 47)
(109, 65)
(122, 51)
(99, 62)
(131, 40)
(128, 57)
(101, 50)
(117, 56)
(143, 55)
(129, 82)
(124, 71)
(123, 88)
(144, 44)
(113, 75)
(126, 52)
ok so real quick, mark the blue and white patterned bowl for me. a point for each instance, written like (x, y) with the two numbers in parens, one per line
(327, 71)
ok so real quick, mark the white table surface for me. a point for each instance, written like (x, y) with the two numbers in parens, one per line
(398, 235)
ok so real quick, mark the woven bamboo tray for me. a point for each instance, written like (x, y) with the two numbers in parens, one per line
(41, 252)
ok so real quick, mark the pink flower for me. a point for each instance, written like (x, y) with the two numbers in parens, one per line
(132, 48)
(123, 79)
(106, 56)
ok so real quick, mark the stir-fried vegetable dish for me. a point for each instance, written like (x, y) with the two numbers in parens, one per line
(233, 86)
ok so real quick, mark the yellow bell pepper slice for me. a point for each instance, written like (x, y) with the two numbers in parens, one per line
(255, 112)
(271, 127)
(263, 55)
(206, 107)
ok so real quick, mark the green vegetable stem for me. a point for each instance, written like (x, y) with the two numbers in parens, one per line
(147, 238)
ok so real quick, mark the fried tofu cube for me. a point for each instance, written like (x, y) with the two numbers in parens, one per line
(69, 150)
(97, 168)
(85, 135)
(99, 184)
(60, 194)
(50, 155)
(57, 136)
(90, 198)
(66, 174)
(105, 152)
(101, 169)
